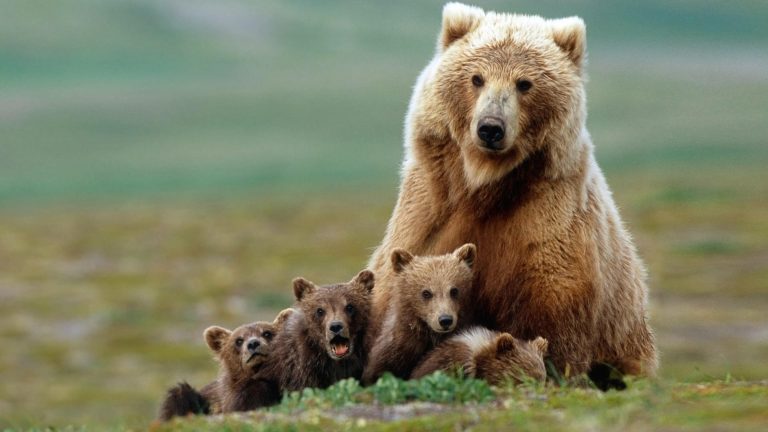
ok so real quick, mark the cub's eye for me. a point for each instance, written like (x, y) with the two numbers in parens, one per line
(454, 292)
(239, 342)
(320, 312)
(524, 85)
(349, 309)
(427, 294)
(477, 81)
(267, 335)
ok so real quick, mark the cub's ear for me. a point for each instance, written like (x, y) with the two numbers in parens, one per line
(570, 34)
(467, 254)
(458, 20)
(400, 259)
(365, 278)
(282, 317)
(505, 343)
(540, 344)
(215, 337)
(302, 287)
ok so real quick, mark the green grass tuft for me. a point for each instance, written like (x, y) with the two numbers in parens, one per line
(389, 390)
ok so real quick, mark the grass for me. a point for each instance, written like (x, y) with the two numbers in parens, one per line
(645, 405)
(105, 304)
(165, 166)
(388, 390)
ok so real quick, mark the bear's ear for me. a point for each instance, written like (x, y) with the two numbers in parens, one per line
(215, 337)
(570, 34)
(282, 317)
(302, 287)
(458, 20)
(505, 343)
(467, 254)
(365, 279)
(400, 259)
(540, 344)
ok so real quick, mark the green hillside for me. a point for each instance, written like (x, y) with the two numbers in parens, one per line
(110, 99)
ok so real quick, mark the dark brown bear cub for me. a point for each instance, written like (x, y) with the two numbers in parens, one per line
(241, 353)
(493, 356)
(323, 341)
(424, 309)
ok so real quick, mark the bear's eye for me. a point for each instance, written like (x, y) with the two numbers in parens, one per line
(320, 312)
(427, 294)
(349, 309)
(267, 335)
(477, 81)
(239, 342)
(454, 292)
(524, 85)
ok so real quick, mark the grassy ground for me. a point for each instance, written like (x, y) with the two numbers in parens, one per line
(105, 305)
(645, 406)
(165, 166)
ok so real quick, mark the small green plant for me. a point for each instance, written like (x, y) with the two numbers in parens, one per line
(388, 390)
(443, 388)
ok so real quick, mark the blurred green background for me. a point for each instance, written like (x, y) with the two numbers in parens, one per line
(168, 165)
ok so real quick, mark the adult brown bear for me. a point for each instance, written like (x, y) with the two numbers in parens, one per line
(497, 154)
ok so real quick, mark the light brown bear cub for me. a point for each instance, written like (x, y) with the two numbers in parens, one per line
(241, 353)
(490, 355)
(323, 341)
(424, 309)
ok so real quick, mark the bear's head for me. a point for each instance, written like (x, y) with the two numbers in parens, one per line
(336, 315)
(242, 351)
(504, 88)
(430, 287)
(508, 358)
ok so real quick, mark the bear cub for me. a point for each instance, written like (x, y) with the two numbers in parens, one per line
(423, 310)
(323, 341)
(241, 353)
(490, 355)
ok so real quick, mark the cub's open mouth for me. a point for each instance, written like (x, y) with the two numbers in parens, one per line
(340, 346)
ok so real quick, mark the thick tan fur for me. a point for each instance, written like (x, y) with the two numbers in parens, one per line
(493, 356)
(554, 257)
(429, 288)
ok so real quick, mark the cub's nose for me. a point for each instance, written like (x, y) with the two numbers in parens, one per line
(336, 327)
(253, 345)
(445, 321)
(491, 132)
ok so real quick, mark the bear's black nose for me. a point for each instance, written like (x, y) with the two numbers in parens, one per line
(253, 344)
(491, 131)
(336, 326)
(445, 321)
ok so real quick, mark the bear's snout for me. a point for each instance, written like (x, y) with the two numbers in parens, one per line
(445, 321)
(490, 130)
(336, 327)
(253, 345)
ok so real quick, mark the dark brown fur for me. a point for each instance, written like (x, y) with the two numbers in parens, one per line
(493, 356)
(411, 324)
(238, 386)
(307, 351)
(183, 400)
